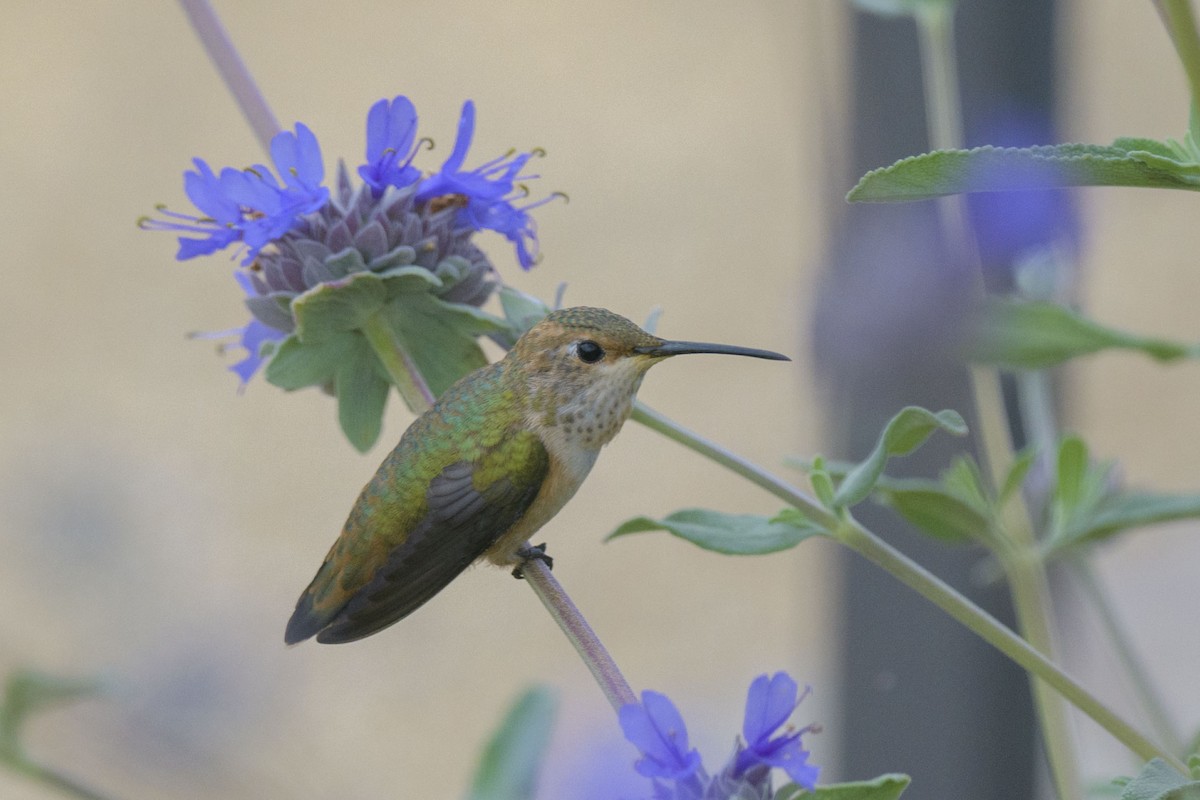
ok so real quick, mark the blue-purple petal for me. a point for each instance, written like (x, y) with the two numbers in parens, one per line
(655, 727)
(391, 131)
(253, 337)
(769, 703)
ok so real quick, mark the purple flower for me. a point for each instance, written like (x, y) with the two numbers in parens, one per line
(486, 192)
(658, 731)
(769, 704)
(391, 131)
(655, 727)
(249, 206)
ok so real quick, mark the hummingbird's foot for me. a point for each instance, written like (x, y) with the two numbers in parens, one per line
(531, 553)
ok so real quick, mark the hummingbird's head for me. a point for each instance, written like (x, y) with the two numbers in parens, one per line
(583, 367)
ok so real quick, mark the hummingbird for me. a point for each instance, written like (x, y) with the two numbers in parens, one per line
(492, 461)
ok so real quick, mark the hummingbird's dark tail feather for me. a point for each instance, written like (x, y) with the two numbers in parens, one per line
(461, 523)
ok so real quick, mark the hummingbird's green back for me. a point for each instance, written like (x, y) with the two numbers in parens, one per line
(460, 476)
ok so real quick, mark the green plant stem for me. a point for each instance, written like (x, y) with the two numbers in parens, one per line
(580, 634)
(401, 368)
(229, 64)
(1151, 702)
(1025, 574)
(54, 779)
(850, 533)
(1180, 21)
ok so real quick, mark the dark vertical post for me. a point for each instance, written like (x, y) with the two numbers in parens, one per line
(921, 694)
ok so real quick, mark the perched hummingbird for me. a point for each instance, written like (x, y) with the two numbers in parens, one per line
(494, 459)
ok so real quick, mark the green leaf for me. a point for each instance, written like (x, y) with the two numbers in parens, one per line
(902, 8)
(409, 280)
(998, 169)
(731, 534)
(822, 482)
(295, 365)
(440, 337)
(1016, 473)
(27, 692)
(338, 306)
(362, 394)
(1035, 335)
(964, 481)
(1158, 780)
(1126, 511)
(521, 311)
(509, 766)
(937, 512)
(906, 431)
(1072, 467)
(885, 787)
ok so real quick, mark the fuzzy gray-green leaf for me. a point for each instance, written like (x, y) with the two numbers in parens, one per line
(295, 365)
(904, 433)
(731, 534)
(338, 306)
(936, 512)
(362, 394)
(1127, 511)
(1035, 335)
(885, 787)
(996, 169)
(1158, 780)
(440, 337)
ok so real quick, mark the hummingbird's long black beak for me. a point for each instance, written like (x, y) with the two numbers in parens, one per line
(682, 348)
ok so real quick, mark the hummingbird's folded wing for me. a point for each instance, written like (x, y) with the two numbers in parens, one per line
(470, 504)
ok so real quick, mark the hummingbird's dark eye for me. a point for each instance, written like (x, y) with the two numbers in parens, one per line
(589, 352)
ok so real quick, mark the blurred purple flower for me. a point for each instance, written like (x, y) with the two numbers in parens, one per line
(655, 727)
(769, 704)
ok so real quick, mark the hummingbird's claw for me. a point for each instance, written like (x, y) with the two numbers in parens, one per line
(531, 553)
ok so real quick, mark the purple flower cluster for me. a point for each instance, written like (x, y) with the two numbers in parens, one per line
(253, 207)
(293, 233)
(657, 729)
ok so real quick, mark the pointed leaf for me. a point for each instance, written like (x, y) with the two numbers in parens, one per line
(1035, 335)
(964, 481)
(885, 787)
(1016, 473)
(994, 169)
(937, 512)
(822, 482)
(906, 431)
(1158, 780)
(1126, 511)
(510, 763)
(1073, 463)
(731, 534)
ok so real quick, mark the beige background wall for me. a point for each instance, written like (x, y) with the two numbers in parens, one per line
(156, 526)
